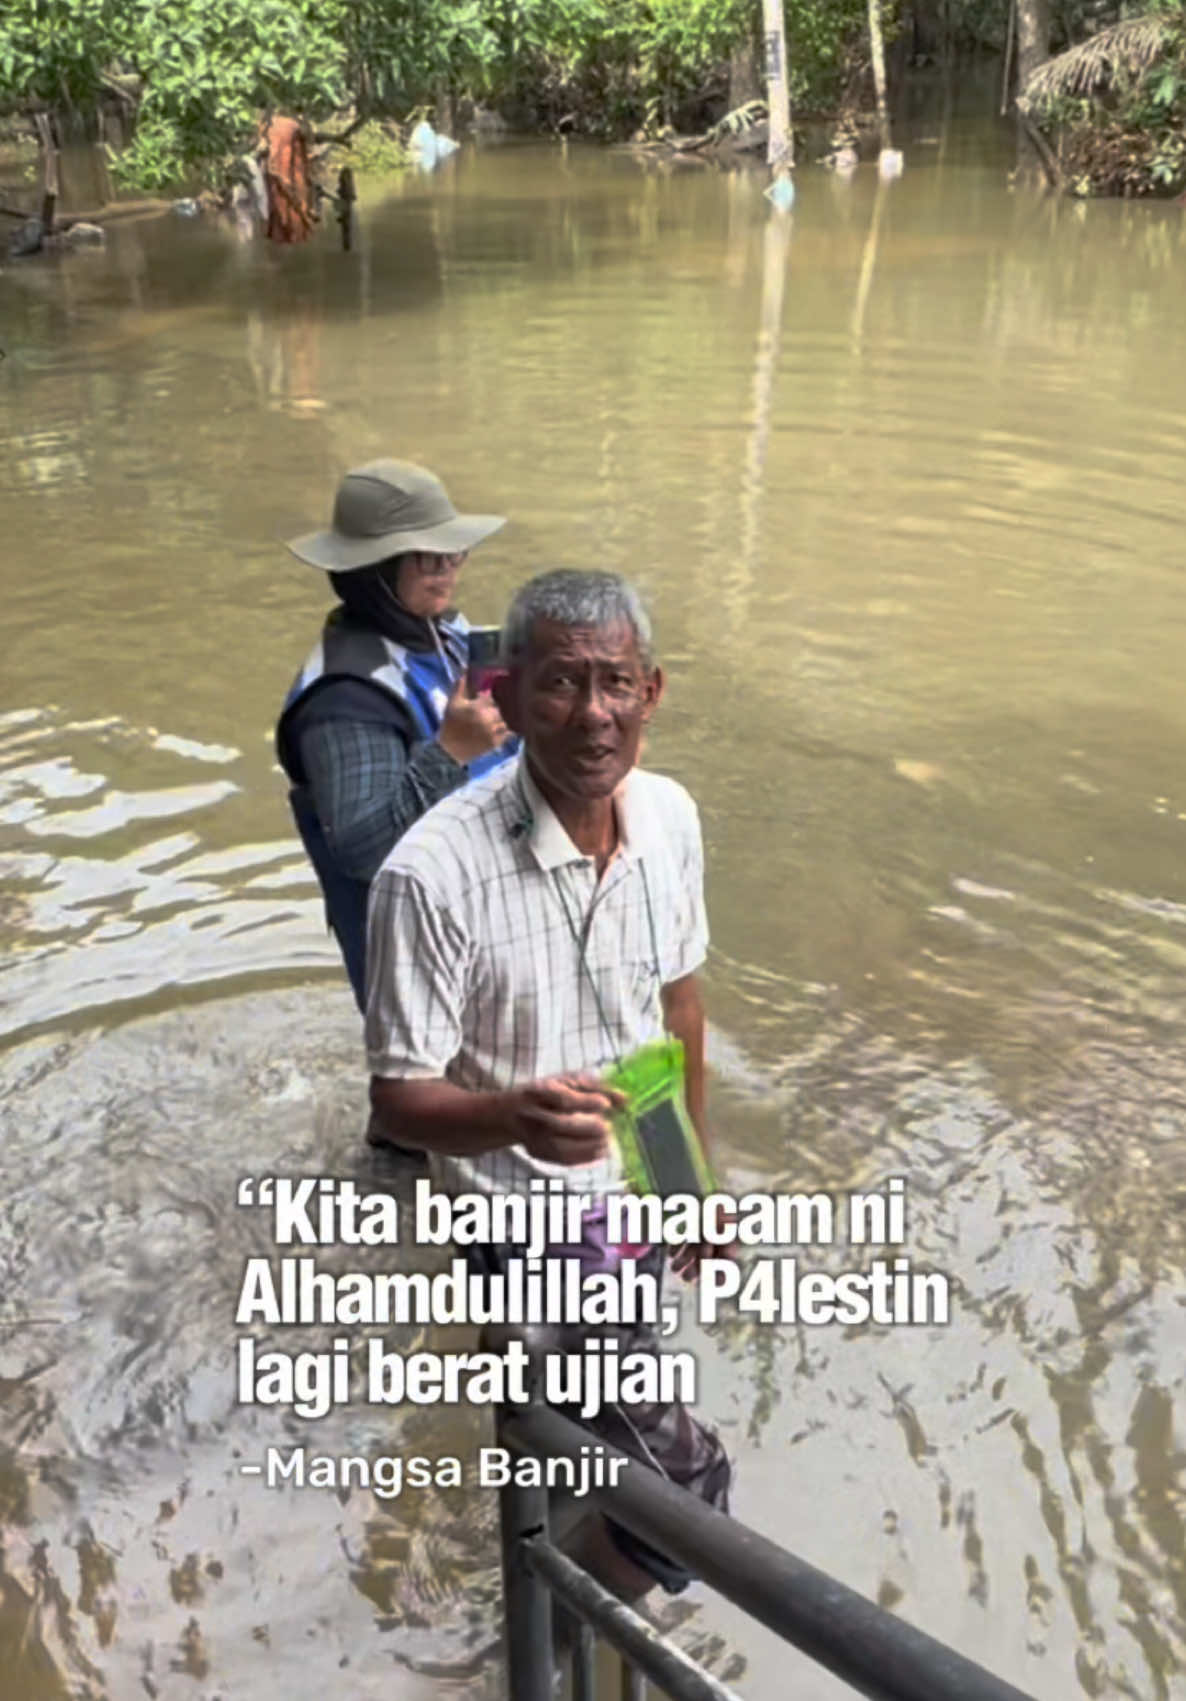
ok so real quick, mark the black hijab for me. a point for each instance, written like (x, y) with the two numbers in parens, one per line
(367, 595)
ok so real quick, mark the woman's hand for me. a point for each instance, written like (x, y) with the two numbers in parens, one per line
(471, 727)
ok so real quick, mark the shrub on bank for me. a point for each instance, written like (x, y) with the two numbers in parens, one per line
(1114, 108)
(378, 146)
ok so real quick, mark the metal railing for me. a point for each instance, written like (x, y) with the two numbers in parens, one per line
(879, 1655)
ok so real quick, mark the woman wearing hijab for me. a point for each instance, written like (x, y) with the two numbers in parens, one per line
(378, 726)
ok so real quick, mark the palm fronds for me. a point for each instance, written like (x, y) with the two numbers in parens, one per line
(1126, 49)
(737, 122)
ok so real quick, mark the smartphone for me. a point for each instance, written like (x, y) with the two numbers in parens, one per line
(657, 1142)
(664, 1148)
(483, 667)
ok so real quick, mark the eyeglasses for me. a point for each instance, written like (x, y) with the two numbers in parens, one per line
(430, 565)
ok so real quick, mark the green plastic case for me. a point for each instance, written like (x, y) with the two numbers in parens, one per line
(658, 1146)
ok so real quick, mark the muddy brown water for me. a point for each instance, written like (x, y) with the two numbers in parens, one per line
(904, 484)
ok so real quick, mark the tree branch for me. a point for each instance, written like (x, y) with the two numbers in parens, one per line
(343, 136)
(1041, 147)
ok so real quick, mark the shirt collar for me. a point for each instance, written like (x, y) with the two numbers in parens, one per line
(550, 843)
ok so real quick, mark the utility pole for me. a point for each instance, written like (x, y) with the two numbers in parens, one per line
(780, 145)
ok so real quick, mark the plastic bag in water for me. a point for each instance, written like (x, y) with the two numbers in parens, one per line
(428, 146)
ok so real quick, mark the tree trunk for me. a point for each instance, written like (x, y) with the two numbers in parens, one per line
(1033, 37)
(1007, 68)
(1033, 49)
(877, 47)
(745, 82)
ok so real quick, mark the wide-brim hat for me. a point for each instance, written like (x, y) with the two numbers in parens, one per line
(390, 508)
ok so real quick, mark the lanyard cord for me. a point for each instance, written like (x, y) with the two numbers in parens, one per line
(580, 938)
(579, 935)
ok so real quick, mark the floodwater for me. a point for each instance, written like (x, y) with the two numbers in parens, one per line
(903, 481)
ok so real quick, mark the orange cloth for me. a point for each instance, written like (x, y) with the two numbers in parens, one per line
(290, 196)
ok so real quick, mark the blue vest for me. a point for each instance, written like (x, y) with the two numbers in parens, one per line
(403, 689)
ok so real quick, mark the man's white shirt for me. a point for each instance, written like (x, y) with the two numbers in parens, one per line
(495, 956)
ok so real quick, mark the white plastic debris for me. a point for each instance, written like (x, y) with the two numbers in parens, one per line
(889, 163)
(782, 193)
(428, 146)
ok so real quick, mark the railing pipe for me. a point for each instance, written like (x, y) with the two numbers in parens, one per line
(880, 1656)
(624, 1629)
(584, 1670)
(523, 1514)
(633, 1684)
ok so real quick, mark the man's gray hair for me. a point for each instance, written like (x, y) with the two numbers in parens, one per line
(574, 597)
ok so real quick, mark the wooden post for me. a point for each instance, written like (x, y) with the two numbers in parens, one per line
(347, 195)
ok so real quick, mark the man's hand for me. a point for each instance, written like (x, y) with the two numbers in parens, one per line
(471, 727)
(563, 1119)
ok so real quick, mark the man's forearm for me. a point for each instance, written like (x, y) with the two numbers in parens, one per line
(440, 1117)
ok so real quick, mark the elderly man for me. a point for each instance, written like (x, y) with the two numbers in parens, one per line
(533, 930)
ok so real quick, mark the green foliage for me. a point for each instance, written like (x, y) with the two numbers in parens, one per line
(210, 65)
(1157, 106)
(205, 68)
(1126, 136)
(677, 44)
(610, 66)
(825, 43)
(1167, 164)
(55, 50)
(375, 148)
(397, 54)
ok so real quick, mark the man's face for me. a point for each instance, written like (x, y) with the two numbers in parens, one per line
(580, 697)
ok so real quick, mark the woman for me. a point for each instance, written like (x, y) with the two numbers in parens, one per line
(378, 726)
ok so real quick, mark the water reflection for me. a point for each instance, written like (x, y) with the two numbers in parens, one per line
(776, 249)
(86, 929)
